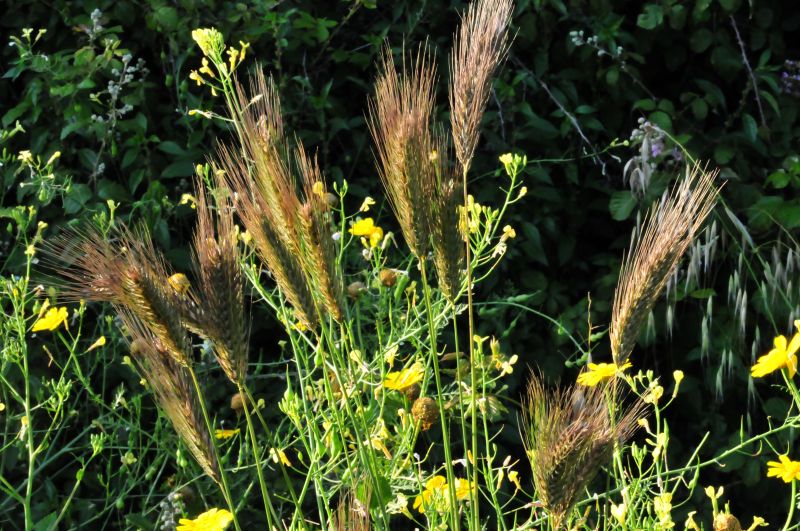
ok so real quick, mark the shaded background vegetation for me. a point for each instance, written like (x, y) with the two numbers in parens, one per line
(581, 78)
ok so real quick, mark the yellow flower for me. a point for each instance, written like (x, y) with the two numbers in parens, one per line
(225, 434)
(506, 159)
(435, 489)
(404, 379)
(209, 40)
(279, 455)
(233, 55)
(25, 156)
(663, 507)
(462, 488)
(600, 372)
(179, 283)
(197, 78)
(619, 512)
(782, 355)
(509, 232)
(366, 227)
(51, 320)
(211, 520)
(205, 69)
(786, 469)
(513, 477)
(690, 523)
(99, 343)
(243, 48)
(368, 202)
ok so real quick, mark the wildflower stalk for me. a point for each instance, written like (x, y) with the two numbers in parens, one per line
(223, 482)
(471, 331)
(791, 506)
(269, 510)
(448, 461)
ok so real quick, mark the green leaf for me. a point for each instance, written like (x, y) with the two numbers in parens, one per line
(701, 40)
(779, 179)
(723, 154)
(750, 127)
(171, 148)
(621, 204)
(706, 293)
(652, 17)
(181, 168)
(699, 108)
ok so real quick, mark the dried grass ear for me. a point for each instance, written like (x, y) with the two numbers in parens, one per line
(215, 308)
(668, 231)
(569, 435)
(480, 45)
(173, 389)
(400, 120)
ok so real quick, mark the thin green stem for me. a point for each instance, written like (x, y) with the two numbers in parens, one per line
(471, 328)
(223, 482)
(268, 508)
(791, 506)
(448, 461)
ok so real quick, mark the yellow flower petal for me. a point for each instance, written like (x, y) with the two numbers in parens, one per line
(211, 520)
(51, 320)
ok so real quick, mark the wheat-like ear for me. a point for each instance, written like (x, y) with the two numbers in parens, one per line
(569, 435)
(446, 238)
(400, 122)
(314, 224)
(480, 46)
(127, 272)
(174, 392)
(253, 210)
(668, 231)
(218, 300)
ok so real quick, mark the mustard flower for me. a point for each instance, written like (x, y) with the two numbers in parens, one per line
(600, 372)
(786, 469)
(225, 434)
(782, 355)
(51, 320)
(367, 228)
(400, 380)
(211, 520)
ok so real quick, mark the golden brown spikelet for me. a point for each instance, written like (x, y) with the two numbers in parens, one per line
(667, 232)
(446, 238)
(291, 230)
(127, 272)
(480, 46)
(569, 435)
(171, 384)
(319, 252)
(283, 264)
(400, 116)
(219, 294)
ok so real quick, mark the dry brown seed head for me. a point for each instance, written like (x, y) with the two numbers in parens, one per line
(237, 402)
(355, 289)
(425, 411)
(388, 277)
(726, 522)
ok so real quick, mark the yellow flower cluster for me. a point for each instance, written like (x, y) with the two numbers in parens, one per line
(435, 494)
(212, 44)
(367, 229)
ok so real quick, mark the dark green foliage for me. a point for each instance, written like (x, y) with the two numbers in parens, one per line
(567, 99)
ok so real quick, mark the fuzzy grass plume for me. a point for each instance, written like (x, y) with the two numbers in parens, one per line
(569, 435)
(667, 232)
(129, 273)
(291, 231)
(173, 389)
(480, 46)
(216, 308)
(400, 115)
